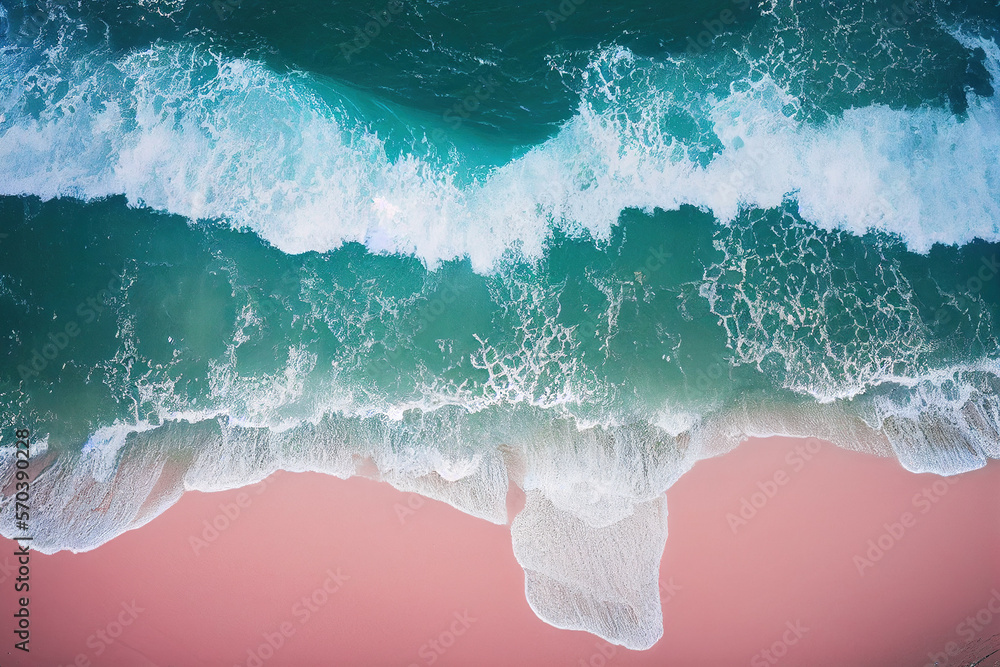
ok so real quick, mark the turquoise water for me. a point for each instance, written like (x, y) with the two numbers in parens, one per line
(572, 246)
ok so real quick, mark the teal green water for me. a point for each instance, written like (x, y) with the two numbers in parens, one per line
(607, 332)
(500, 220)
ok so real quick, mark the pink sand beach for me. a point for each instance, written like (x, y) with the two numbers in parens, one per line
(778, 554)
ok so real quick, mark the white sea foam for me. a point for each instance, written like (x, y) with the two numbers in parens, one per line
(571, 582)
(178, 129)
(593, 528)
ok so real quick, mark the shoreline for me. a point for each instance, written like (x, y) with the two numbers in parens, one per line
(305, 568)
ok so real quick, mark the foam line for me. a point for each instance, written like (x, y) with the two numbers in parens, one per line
(178, 129)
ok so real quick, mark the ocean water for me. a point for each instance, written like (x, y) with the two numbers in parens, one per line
(571, 246)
